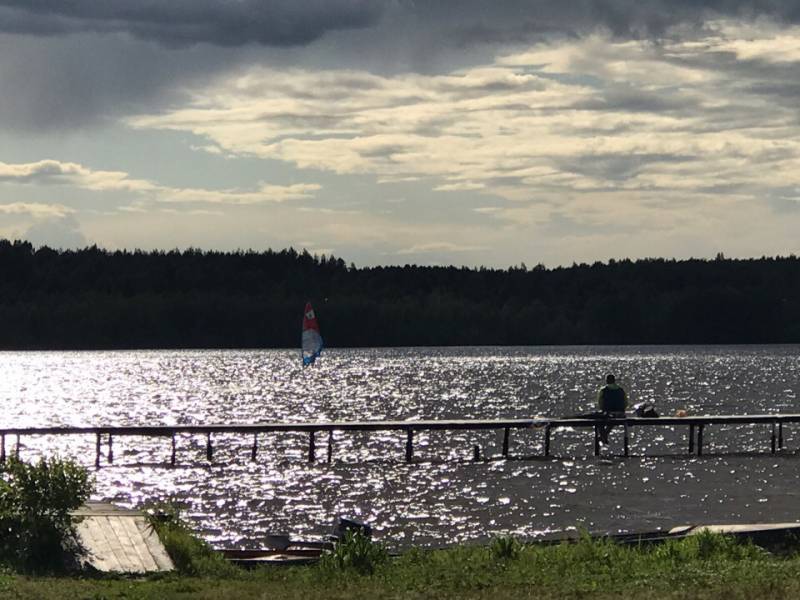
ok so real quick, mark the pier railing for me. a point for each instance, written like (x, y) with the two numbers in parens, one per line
(695, 424)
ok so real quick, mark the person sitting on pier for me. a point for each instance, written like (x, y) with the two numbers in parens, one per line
(612, 401)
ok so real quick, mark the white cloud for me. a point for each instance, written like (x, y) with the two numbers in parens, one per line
(459, 187)
(590, 129)
(761, 41)
(36, 210)
(52, 172)
(265, 193)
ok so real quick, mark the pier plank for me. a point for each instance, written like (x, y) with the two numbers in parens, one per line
(410, 427)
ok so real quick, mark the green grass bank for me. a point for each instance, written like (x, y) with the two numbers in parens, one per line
(704, 566)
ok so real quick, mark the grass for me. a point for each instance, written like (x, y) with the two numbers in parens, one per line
(190, 555)
(704, 566)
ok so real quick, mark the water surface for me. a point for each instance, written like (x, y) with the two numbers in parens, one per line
(444, 497)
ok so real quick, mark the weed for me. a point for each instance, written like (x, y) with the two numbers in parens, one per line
(191, 555)
(355, 552)
(505, 548)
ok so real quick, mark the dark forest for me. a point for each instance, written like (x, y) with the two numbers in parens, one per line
(92, 298)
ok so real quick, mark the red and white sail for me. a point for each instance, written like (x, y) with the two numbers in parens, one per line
(311, 344)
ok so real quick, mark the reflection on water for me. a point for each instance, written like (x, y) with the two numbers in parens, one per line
(446, 497)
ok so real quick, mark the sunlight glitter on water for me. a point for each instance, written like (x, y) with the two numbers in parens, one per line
(445, 497)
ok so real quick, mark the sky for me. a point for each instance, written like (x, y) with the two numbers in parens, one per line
(388, 132)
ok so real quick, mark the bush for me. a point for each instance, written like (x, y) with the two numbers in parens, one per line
(505, 548)
(191, 555)
(35, 504)
(355, 552)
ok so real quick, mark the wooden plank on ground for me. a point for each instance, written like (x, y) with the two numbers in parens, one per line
(154, 546)
(131, 561)
(98, 553)
(119, 540)
(133, 533)
(113, 541)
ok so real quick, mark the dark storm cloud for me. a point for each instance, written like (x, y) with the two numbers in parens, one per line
(521, 20)
(69, 82)
(76, 63)
(298, 22)
(79, 62)
(182, 22)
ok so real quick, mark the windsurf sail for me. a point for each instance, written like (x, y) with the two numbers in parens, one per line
(311, 344)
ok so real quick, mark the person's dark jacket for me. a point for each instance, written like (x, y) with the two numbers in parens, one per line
(612, 399)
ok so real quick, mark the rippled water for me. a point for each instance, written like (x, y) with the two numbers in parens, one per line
(444, 497)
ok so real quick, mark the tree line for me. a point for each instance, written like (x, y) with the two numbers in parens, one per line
(93, 298)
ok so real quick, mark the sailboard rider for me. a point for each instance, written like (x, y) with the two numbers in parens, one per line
(311, 340)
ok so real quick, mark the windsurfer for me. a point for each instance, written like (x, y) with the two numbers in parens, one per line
(311, 341)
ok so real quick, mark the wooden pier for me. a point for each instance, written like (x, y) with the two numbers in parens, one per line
(104, 435)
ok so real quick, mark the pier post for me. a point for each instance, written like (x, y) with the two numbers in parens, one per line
(505, 442)
(311, 447)
(626, 440)
(330, 446)
(547, 440)
(172, 458)
(596, 440)
(16, 449)
(3, 448)
(772, 441)
(700, 439)
(97, 451)
(110, 449)
(691, 439)
(255, 447)
(209, 447)
(409, 445)
(780, 435)
(476, 453)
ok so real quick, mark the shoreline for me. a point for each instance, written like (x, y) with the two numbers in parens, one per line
(293, 349)
(703, 566)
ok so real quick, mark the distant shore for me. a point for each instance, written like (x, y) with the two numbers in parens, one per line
(97, 299)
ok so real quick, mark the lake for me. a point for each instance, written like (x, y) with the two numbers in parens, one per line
(444, 497)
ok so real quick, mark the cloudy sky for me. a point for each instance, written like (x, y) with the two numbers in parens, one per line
(458, 132)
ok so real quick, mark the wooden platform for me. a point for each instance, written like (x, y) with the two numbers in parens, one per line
(696, 425)
(118, 540)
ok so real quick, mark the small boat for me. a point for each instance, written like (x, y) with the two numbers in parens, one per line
(290, 553)
(311, 341)
(281, 549)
